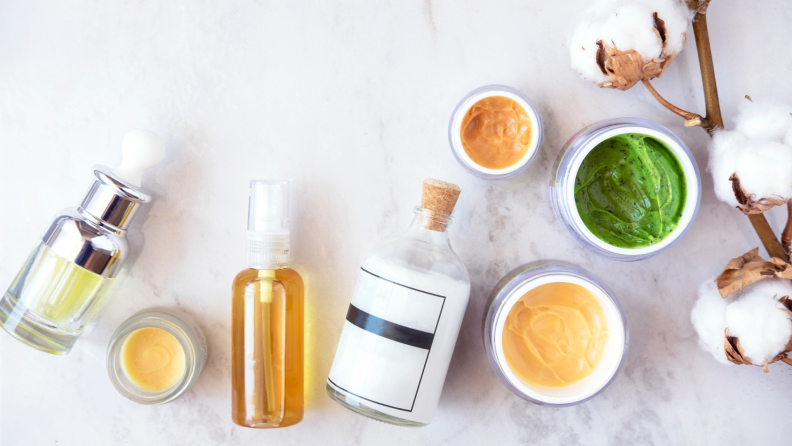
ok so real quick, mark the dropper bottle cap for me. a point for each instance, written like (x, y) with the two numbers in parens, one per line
(92, 235)
(115, 197)
(268, 240)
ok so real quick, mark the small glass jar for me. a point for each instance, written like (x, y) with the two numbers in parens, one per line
(562, 184)
(183, 328)
(455, 127)
(527, 277)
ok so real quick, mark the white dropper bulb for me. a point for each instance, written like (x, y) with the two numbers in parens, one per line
(142, 150)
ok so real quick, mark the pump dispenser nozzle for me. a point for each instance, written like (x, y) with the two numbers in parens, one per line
(268, 225)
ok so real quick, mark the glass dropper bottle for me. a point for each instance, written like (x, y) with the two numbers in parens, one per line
(267, 318)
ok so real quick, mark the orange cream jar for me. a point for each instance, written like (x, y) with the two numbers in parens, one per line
(495, 132)
(554, 334)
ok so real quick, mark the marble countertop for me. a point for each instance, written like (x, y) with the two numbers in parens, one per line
(351, 100)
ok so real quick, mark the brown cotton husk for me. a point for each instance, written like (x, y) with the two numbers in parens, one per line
(748, 202)
(733, 351)
(626, 68)
(750, 268)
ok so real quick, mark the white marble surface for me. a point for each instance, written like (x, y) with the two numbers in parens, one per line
(351, 99)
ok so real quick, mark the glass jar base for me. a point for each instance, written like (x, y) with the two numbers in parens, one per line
(31, 333)
(358, 407)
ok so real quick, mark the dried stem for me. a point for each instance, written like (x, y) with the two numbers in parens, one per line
(691, 119)
(714, 119)
(768, 237)
(786, 235)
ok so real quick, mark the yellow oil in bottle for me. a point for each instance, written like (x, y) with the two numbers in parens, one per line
(60, 292)
(51, 301)
(267, 348)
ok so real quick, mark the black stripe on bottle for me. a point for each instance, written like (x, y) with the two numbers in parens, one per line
(389, 330)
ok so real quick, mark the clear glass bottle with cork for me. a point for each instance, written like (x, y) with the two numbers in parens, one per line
(267, 318)
(403, 319)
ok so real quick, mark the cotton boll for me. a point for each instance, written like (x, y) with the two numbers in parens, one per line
(763, 166)
(677, 16)
(627, 25)
(788, 138)
(724, 150)
(709, 320)
(583, 51)
(758, 320)
(754, 316)
(631, 26)
(764, 120)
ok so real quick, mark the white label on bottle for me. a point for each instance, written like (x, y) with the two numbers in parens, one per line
(386, 342)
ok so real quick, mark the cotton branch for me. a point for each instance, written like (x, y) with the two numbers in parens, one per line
(714, 119)
(691, 119)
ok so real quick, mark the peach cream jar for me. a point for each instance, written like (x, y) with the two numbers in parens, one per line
(554, 334)
(495, 132)
(156, 355)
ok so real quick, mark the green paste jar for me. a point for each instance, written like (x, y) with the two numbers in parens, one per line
(630, 191)
(626, 188)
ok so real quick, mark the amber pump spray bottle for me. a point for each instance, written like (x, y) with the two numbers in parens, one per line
(267, 318)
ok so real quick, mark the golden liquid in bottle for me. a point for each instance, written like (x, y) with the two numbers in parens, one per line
(267, 348)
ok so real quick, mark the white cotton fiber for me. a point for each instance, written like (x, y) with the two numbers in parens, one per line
(764, 120)
(758, 320)
(764, 167)
(753, 315)
(627, 25)
(709, 320)
(677, 17)
(759, 151)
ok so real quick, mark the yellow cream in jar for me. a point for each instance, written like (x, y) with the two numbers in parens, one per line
(555, 335)
(153, 359)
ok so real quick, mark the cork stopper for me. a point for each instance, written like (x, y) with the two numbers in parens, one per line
(439, 197)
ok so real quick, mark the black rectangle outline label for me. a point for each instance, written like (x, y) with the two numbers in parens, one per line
(429, 350)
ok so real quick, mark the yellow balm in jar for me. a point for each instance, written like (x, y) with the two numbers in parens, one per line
(156, 355)
(153, 359)
(555, 335)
